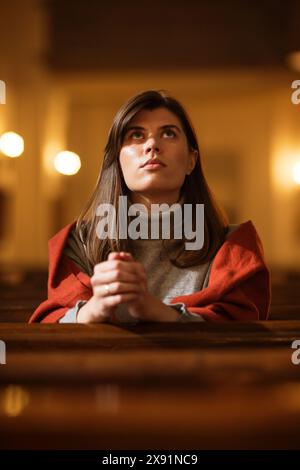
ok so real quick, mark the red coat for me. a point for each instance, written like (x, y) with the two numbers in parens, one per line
(238, 289)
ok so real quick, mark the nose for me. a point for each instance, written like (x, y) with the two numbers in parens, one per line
(152, 146)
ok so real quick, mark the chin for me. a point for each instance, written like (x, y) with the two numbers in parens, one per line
(154, 187)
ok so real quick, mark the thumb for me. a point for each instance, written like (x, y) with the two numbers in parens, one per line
(126, 256)
(123, 255)
(113, 255)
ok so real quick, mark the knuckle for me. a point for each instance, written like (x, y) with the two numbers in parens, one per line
(93, 279)
(109, 301)
(117, 264)
(97, 268)
(115, 275)
(97, 292)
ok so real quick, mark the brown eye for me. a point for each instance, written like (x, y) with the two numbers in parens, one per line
(169, 133)
(137, 135)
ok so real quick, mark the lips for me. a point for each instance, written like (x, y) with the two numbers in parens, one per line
(155, 162)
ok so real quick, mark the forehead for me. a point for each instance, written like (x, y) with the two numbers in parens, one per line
(156, 117)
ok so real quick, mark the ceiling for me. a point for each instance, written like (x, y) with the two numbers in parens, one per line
(97, 34)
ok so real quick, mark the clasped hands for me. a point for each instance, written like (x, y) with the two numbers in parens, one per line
(120, 280)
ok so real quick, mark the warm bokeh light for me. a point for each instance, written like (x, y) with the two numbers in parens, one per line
(296, 173)
(293, 60)
(286, 168)
(67, 163)
(14, 400)
(11, 144)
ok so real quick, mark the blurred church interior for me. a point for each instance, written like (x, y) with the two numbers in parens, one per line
(68, 66)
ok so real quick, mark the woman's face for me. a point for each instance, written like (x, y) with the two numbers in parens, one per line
(156, 136)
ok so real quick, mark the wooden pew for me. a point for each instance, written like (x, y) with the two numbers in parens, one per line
(203, 386)
(15, 310)
(284, 312)
(171, 386)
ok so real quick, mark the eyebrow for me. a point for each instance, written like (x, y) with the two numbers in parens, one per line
(165, 126)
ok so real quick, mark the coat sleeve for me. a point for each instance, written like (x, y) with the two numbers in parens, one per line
(48, 312)
(248, 301)
(239, 285)
(64, 290)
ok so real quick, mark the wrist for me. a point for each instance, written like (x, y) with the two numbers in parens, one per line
(170, 314)
(160, 312)
(88, 313)
(83, 315)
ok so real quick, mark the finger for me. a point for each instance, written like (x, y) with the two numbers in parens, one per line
(113, 255)
(122, 255)
(116, 288)
(113, 300)
(107, 277)
(126, 256)
(131, 267)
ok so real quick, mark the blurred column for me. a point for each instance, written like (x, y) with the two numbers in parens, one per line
(23, 46)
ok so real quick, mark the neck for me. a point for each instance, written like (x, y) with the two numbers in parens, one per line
(161, 198)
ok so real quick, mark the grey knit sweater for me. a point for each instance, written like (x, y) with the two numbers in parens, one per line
(165, 280)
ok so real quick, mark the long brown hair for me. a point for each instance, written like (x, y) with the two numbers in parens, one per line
(110, 185)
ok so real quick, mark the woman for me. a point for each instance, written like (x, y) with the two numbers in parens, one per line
(97, 275)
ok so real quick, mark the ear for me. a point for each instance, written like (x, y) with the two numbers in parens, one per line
(192, 161)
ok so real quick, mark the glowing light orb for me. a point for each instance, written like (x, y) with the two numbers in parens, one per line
(67, 163)
(11, 144)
